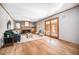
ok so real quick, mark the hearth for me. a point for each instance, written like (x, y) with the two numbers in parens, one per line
(25, 31)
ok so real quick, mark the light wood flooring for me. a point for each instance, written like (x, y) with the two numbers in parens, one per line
(41, 47)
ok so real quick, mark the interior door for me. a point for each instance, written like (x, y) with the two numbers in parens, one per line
(47, 28)
(55, 27)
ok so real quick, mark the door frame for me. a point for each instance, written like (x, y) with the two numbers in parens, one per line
(45, 27)
(51, 27)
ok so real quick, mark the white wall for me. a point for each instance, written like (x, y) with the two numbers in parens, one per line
(40, 26)
(4, 18)
(68, 25)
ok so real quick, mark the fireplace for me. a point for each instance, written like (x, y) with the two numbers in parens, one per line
(25, 31)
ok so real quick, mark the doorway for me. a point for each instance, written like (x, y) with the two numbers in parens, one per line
(52, 27)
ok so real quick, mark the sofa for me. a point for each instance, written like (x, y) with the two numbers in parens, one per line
(10, 37)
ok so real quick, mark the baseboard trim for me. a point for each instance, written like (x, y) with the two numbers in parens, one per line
(69, 42)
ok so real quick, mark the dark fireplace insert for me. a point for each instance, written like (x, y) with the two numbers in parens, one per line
(25, 31)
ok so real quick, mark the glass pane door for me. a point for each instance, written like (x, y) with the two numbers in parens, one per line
(47, 25)
(54, 27)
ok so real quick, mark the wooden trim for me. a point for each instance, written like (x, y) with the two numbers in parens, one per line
(45, 27)
(51, 27)
(56, 29)
(58, 26)
(64, 40)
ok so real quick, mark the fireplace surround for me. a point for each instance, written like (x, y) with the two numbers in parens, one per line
(25, 31)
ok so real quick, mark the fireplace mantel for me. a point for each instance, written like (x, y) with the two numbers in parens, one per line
(23, 27)
(26, 28)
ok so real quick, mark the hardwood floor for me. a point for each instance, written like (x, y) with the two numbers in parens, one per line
(41, 47)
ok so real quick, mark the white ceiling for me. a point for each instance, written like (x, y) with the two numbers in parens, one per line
(35, 11)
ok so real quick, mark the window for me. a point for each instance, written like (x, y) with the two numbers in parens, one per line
(26, 23)
(17, 25)
(47, 27)
(52, 27)
(9, 24)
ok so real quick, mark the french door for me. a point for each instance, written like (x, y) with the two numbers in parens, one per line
(55, 27)
(52, 27)
(47, 28)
